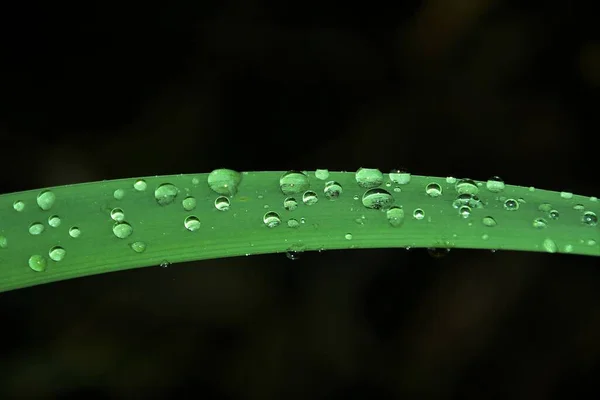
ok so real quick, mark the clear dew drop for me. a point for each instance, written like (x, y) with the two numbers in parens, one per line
(140, 185)
(224, 181)
(294, 182)
(293, 223)
(74, 232)
(54, 221)
(292, 255)
(418, 214)
(451, 180)
(57, 253)
(290, 204)
(189, 203)
(395, 216)
(36, 228)
(466, 186)
(549, 245)
(3, 242)
(578, 207)
(377, 199)
(309, 198)
(38, 263)
(117, 214)
(495, 184)
(45, 200)
(511, 205)
(222, 203)
(122, 230)
(191, 223)
(19, 205)
(368, 178)
(540, 223)
(332, 190)
(138, 247)
(165, 264)
(119, 194)
(589, 218)
(433, 189)
(195, 181)
(464, 211)
(348, 236)
(489, 221)
(322, 174)
(400, 176)
(568, 248)
(553, 214)
(271, 219)
(566, 195)
(438, 252)
(165, 194)
(468, 200)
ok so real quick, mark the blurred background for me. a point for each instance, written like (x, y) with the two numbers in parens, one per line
(469, 88)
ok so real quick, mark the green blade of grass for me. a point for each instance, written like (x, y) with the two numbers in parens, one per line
(78, 230)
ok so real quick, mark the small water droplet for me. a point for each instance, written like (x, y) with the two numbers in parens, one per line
(511, 205)
(489, 221)
(589, 218)
(578, 207)
(57, 253)
(271, 219)
(332, 190)
(165, 264)
(122, 229)
(290, 204)
(400, 176)
(309, 198)
(140, 185)
(36, 228)
(466, 186)
(566, 195)
(195, 181)
(224, 181)
(19, 205)
(322, 174)
(433, 189)
(292, 255)
(3, 242)
(165, 194)
(138, 247)
(438, 252)
(293, 223)
(54, 221)
(550, 246)
(464, 211)
(191, 223)
(348, 236)
(495, 184)
(451, 180)
(189, 203)
(395, 216)
(119, 194)
(38, 263)
(545, 207)
(293, 182)
(553, 214)
(540, 223)
(485, 236)
(74, 232)
(418, 214)
(368, 177)
(222, 203)
(568, 248)
(377, 199)
(117, 214)
(46, 199)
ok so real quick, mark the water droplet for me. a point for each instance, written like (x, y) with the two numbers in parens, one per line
(348, 236)
(531, 189)
(566, 195)
(322, 174)
(195, 181)
(290, 204)
(189, 203)
(511, 205)
(3, 242)
(578, 207)
(553, 214)
(224, 181)
(438, 252)
(485, 236)
(222, 203)
(117, 214)
(292, 255)
(377, 199)
(395, 216)
(19, 205)
(119, 194)
(545, 207)
(271, 219)
(355, 197)
(550, 246)
(309, 198)
(593, 199)
(140, 185)
(122, 229)
(38, 263)
(293, 223)
(138, 247)
(568, 248)
(451, 180)
(74, 232)
(36, 228)
(466, 186)
(165, 194)
(54, 221)
(433, 189)
(191, 223)
(57, 253)
(489, 221)
(464, 211)
(165, 264)
(400, 176)
(369, 177)
(293, 182)
(468, 200)
(418, 214)
(589, 218)
(46, 199)
(540, 223)
(332, 190)
(495, 184)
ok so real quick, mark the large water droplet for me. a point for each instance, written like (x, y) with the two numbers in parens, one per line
(38, 263)
(140, 185)
(489, 221)
(377, 199)
(466, 186)
(119, 194)
(464, 211)
(400, 176)
(418, 214)
(322, 174)
(122, 229)
(271, 219)
(138, 247)
(293, 182)
(189, 203)
(433, 189)
(369, 177)
(395, 216)
(290, 204)
(566, 195)
(54, 221)
(224, 181)
(495, 184)
(117, 214)
(348, 236)
(550, 246)
(165, 194)
(36, 228)
(309, 198)
(19, 205)
(57, 253)
(222, 203)
(511, 205)
(74, 232)
(293, 223)
(332, 190)
(540, 223)
(46, 199)
(191, 223)
(589, 218)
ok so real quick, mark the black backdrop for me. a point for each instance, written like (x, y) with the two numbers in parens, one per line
(472, 90)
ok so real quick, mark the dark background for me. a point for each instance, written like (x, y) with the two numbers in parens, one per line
(464, 88)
